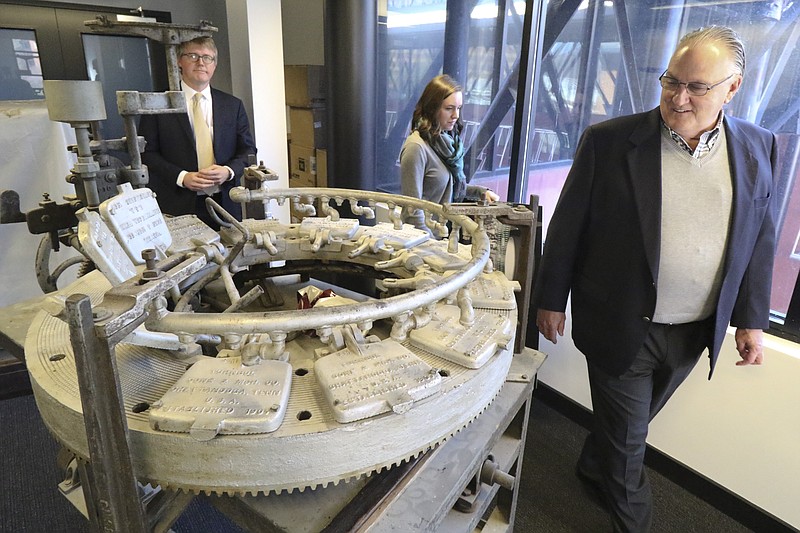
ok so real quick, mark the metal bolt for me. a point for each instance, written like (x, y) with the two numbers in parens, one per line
(151, 272)
(149, 256)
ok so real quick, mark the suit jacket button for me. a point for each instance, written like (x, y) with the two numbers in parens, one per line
(646, 318)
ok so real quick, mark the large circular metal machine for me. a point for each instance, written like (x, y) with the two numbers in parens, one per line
(240, 370)
(294, 398)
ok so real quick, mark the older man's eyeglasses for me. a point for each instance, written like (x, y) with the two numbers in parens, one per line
(207, 60)
(695, 88)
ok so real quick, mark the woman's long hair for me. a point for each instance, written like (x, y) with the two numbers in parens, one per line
(428, 105)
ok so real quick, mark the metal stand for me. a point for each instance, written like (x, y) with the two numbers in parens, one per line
(112, 500)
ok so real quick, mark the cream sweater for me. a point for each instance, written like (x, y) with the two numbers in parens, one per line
(695, 220)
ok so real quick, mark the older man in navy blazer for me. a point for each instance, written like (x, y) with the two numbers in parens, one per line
(179, 175)
(664, 234)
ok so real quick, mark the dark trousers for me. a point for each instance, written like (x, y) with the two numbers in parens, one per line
(613, 454)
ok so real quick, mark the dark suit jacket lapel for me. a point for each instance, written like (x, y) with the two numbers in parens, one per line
(644, 169)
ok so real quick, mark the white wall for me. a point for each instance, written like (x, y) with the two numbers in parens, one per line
(740, 430)
(257, 45)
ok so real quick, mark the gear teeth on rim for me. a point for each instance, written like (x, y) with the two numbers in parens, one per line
(333, 481)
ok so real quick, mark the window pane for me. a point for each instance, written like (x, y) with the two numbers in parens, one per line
(20, 70)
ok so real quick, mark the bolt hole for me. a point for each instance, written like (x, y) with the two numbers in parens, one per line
(444, 373)
(303, 415)
(57, 357)
(141, 407)
(301, 371)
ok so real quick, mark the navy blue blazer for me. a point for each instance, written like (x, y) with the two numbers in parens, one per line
(170, 149)
(603, 240)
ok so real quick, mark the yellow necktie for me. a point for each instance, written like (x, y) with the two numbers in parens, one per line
(202, 135)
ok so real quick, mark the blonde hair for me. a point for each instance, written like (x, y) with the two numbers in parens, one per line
(205, 42)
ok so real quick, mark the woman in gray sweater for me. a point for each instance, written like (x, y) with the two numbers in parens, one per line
(432, 157)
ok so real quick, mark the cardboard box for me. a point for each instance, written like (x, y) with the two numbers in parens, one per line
(305, 85)
(302, 166)
(322, 168)
(307, 126)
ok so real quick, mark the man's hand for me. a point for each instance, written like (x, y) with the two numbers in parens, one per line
(490, 196)
(749, 345)
(551, 323)
(205, 178)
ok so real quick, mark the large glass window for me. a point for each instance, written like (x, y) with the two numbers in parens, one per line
(20, 69)
(482, 54)
(599, 59)
(605, 59)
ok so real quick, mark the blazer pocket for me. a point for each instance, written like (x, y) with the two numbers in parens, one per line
(761, 202)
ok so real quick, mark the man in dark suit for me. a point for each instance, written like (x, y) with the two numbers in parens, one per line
(201, 153)
(664, 234)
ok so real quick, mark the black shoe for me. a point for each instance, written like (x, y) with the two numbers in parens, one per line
(592, 487)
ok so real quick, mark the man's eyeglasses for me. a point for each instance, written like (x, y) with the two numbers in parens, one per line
(207, 60)
(695, 88)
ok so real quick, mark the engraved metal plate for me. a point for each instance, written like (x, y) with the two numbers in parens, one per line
(261, 225)
(493, 290)
(469, 346)
(99, 243)
(436, 256)
(136, 220)
(404, 238)
(187, 232)
(384, 376)
(340, 229)
(317, 233)
(265, 235)
(220, 396)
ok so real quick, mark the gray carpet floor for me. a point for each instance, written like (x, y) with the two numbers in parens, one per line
(551, 498)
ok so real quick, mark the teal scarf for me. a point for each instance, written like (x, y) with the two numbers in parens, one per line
(450, 149)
